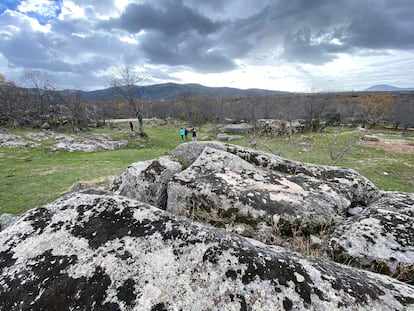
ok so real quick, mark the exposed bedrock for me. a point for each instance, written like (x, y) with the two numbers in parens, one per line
(108, 252)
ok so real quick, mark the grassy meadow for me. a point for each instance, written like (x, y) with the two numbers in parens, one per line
(33, 177)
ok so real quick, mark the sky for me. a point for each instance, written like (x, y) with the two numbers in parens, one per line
(287, 45)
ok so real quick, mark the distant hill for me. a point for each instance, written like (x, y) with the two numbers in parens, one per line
(387, 88)
(172, 91)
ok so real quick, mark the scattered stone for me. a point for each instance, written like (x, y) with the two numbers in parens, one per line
(355, 210)
(222, 137)
(9, 140)
(370, 138)
(235, 137)
(46, 126)
(88, 143)
(242, 128)
(279, 127)
(38, 136)
(315, 242)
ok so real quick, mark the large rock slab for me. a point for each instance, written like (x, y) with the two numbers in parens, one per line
(360, 189)
(89, 143)
(147, 180)
(242, 128)
(380, 238)
(93, 252)
(252, 192)
(236, 192)
(279, 127)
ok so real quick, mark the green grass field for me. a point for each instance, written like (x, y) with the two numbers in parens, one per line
(34, 177)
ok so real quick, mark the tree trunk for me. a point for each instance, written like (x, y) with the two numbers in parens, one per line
(141, 127)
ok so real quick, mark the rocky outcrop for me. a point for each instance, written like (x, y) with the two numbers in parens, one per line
(147, 180)
(234, 192)
(97, 252)
(279, 127)
(380, 238)
(242, 128)
(10, 140)
(85, 143)
(268, 197)
(247, 191)
(89, 143)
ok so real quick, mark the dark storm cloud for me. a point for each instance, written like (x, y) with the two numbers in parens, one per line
(316, 31)
(204, 36)
(172, 18)
(196, 53)
(174, 35)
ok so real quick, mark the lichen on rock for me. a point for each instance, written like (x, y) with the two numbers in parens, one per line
(87, 251)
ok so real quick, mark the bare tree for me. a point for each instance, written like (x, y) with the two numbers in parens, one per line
(43, 95)
(125, 81)
(76, 108)
(315, 106)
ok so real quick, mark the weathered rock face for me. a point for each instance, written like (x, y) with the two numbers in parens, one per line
(94, 252)
(237, 192)
(6, 220)
(279, 127)
(86, 143)
(10, 140)
(241, 128)
(187, 153)
(360, 190)
(89, 143)
(147, 181)
(263, 196)
(380, 238)
(255, 183)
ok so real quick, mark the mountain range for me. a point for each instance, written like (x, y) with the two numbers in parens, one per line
(387, 88)
(172, 91)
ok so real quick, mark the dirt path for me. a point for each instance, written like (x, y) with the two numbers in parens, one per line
(396, 147)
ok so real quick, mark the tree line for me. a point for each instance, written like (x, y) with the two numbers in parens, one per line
(39, 101)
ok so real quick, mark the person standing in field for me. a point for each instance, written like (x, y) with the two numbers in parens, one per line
(186, 134)
(182, 133)
(131, 125)
(194, 134)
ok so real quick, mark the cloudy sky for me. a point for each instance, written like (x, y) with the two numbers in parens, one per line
(290, 45)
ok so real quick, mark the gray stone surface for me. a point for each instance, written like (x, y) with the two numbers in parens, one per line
(380, 238)
(147, 180)
(10, 140)
(242, 128)
(88, 143)
(222, 184)
(6, 220)
(93, 252)
(279, 127)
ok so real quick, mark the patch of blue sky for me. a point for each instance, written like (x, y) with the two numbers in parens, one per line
(42, 10)
(9, 4)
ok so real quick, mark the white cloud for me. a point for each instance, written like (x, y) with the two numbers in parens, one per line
(44, 8)
(70, 10)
